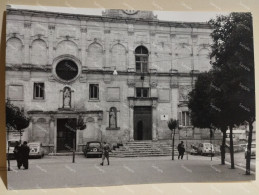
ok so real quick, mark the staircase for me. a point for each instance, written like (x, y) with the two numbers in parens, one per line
(143, 149)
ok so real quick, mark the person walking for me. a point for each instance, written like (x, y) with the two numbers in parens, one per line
(25, 150)
(181, 150)
(17, 154)
(105, 154)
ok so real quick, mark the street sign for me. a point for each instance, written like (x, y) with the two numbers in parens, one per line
(164, 117)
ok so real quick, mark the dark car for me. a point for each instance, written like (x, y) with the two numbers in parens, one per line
(93, 148)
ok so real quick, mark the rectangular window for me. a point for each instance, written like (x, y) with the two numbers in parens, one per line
(184, 118)
(141, 64)
(94, 91)
(38, 91)
(142, 92)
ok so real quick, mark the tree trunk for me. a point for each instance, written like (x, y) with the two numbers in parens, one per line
(223, 146)
(173, 145)
(231, 147)
(74, 150)
(248, 155)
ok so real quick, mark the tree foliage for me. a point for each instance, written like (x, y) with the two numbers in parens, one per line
(15, 117)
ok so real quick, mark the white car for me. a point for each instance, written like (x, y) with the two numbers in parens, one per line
(36, 149)
(252, 150)
(206, 149)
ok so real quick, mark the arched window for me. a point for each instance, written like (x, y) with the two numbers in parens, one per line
(39, 55)
(141, 57)
(113, 117)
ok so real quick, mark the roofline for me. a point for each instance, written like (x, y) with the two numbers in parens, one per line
(27, 12)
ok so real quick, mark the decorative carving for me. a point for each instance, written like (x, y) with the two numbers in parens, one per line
(131, 83)
(27, 24)
(131, 104)
(107, 31)
(172, 36)
(154, 104)
(83, 29)
(183, 92)
(52, 118)
(153, 84)
(51, 26)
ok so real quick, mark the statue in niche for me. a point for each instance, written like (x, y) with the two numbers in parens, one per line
(67, 97)
(113, 118)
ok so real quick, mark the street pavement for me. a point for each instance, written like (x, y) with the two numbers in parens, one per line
(59, 171)
(239, 160)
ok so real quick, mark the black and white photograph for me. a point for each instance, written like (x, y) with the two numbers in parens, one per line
(111, 97)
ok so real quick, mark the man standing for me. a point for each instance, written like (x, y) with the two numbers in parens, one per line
(106, 150)
(25, 150)
(181, 150)
(17, 154)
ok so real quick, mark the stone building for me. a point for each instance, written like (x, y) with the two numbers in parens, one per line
(124, 74)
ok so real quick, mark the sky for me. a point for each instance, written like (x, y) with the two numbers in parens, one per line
(161, 15)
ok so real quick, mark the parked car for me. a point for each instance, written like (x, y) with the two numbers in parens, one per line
(194, 150)
(93, 148)
(206, 149)
(252, 150)
(12, 144)
(36, 150)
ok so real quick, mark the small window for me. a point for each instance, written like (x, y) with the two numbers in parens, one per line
(184, 118)
(142, 92)
(94, 92)
(38, 92)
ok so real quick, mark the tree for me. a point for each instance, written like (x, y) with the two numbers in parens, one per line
(233, 67)
(15, 120)
(203, 112)
(172, 125)
(200, 103)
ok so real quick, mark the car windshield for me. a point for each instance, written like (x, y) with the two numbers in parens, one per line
(33, 145)
(207, 145)
(94, 145)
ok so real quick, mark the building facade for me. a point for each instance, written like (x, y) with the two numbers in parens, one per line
(124, 74)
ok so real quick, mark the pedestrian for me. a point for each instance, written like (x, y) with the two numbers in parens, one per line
(17, 154)
(105, 154)
(181, 150)
(25, 150)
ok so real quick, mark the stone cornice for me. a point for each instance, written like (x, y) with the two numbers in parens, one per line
(65, 112)
(23, 12)
(48, 68)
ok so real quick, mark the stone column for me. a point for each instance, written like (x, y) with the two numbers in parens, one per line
(154, 119)
(33, 123)
(131, 119)
(60, 98)
(72, 99)
(83, 45)
(27, 28)
(131, 51)
(51, 33)
(52, 136)
(30, 131)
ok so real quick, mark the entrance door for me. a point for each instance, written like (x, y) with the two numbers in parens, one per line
(66, 134)
(142, 123)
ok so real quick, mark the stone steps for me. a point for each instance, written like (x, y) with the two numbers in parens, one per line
(143, 149)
